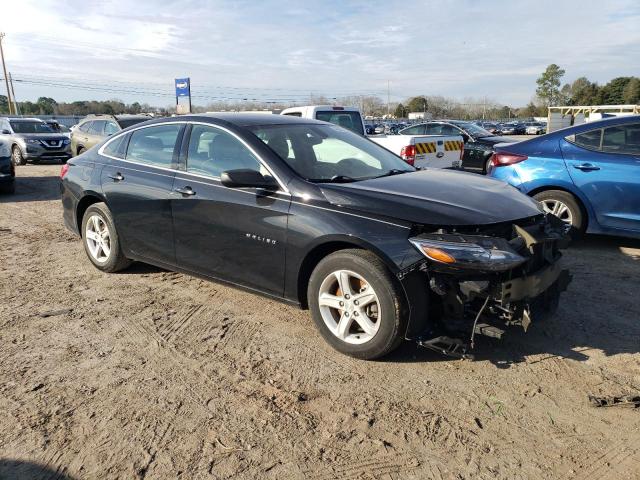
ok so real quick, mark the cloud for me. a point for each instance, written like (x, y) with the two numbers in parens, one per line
(456, 48)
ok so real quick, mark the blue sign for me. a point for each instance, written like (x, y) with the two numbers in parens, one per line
(183, 87)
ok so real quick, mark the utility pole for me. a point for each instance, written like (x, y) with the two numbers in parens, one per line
(16, 110)
(388, 97)
(4, 69)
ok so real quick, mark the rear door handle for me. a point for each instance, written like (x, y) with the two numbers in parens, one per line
(586, 167)
(185, 191)
(117, 177)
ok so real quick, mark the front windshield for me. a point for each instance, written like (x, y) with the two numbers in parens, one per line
(474, 130)
(327, 153)
(30, 127)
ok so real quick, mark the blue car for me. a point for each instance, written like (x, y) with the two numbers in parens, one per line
(588, 175)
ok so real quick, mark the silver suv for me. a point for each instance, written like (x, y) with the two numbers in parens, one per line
(32, 139)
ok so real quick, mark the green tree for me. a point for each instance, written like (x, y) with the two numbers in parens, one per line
(4, 104)
(612, 92)
(400, 111)
(631, 93)
(418, 104)
(549, 85)
(584, 92)
(47, 105)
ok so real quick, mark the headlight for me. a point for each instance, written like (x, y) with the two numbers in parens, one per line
(31, 140)
(65, 141)
(486, 253)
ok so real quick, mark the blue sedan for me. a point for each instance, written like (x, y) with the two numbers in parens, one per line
(588, 175)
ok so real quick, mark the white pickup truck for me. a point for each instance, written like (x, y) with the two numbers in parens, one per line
(432, 151)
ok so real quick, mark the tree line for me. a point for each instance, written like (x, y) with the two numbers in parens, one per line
(549, 92)
(49, 106)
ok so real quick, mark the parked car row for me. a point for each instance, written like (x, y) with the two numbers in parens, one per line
(514, 128)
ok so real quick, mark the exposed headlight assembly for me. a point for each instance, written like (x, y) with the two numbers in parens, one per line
(476, 253)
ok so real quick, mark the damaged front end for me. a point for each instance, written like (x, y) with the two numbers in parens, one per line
(482, 280)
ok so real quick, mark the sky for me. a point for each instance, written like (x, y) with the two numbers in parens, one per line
(288, 50)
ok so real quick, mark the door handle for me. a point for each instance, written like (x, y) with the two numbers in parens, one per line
(117, 177)
(185, 191)
(586, 167)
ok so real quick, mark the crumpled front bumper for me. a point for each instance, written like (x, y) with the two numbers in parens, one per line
(464, 304)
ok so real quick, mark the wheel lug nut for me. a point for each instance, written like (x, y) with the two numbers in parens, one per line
(346, 314)
(347, 296)
(355, 302)
(342, 304)
(355, 314)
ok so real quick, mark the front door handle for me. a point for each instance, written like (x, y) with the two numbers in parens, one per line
(117, 177)
(587, 167)
(185, 191)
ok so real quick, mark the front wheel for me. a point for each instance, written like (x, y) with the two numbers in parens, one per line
(356, 304)
(101, 241)
(17, 157)
(564, 206)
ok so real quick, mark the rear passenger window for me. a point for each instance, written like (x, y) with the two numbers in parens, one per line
(96, 127)
(590, 140)
(417, 130)
(85, 127)
(110, 128)
(154, 145)
(115, 148)
(622, 139)
(213, 151)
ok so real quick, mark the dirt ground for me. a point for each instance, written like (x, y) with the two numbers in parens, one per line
(153, 374)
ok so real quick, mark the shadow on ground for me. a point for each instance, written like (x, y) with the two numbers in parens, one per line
(24, 470)
(34, 189)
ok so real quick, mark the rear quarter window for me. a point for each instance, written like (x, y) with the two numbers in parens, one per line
(590, 140)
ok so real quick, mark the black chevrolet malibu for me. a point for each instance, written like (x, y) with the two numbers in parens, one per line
(312, 214)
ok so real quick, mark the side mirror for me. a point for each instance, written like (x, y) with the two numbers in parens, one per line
(6, 132)
(246, 178)
(465, 137)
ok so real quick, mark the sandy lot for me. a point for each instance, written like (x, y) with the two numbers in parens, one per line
(152, 374)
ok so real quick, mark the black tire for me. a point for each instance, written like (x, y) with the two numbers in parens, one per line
(393, 320)
(116, 260)
(17, 157)
(80, 151)
(578, 219)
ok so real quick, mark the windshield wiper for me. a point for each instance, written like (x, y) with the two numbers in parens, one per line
(393, 171)
(340, 179)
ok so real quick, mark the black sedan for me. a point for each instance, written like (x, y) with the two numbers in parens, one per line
(314, 215)
(478, 142)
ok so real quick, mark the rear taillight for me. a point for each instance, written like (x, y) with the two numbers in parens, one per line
(64, 170)
(408, 154)
(500, 159)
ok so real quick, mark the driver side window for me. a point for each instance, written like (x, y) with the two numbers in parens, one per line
(213, 151)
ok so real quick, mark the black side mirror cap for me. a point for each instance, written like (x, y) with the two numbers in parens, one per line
(6, 132)
(247, 178)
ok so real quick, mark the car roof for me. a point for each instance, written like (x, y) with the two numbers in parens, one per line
(22, 119)
(250, 119)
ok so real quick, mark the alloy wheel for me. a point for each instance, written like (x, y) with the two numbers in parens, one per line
(559, 209)
(98, 238)
(349, 306)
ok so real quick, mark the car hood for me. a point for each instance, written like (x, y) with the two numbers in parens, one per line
(435, 197)
(41, 136)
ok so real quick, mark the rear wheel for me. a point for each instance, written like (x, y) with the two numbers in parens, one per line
(356, 304)
(17, 157)
(101, 241)
(564, 206)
